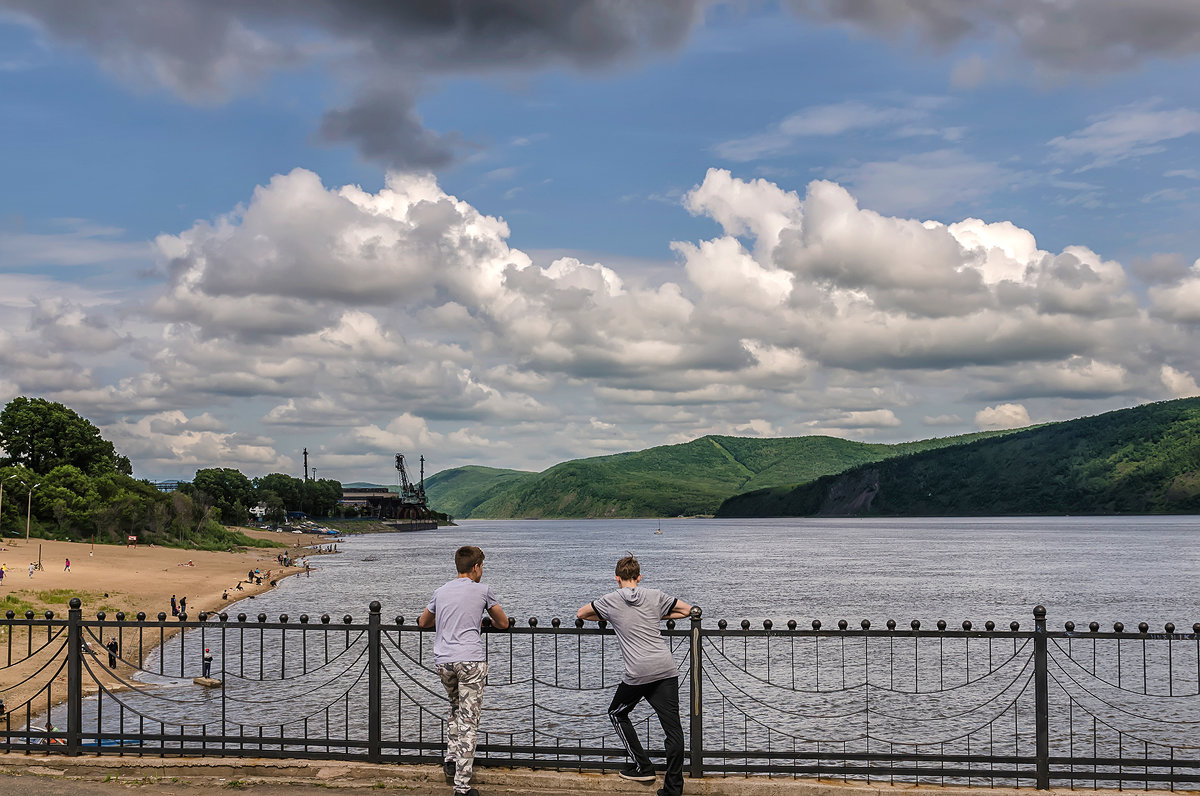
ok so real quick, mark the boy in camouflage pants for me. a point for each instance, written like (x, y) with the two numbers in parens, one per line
(456, 612)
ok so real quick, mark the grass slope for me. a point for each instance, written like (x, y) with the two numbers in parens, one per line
(1140, 460)
(693, 478)
(458, 491)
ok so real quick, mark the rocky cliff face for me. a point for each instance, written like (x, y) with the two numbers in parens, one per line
(851, 494)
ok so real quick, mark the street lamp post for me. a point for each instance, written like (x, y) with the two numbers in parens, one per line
(29, 509)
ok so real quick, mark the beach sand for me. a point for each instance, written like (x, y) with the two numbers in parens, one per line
(111, 578)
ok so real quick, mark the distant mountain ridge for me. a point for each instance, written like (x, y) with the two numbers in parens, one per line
(693, 478)
(1143, 460)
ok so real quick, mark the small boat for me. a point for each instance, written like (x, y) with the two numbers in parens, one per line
(658, 532)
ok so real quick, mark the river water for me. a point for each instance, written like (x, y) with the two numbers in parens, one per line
(1107, 569)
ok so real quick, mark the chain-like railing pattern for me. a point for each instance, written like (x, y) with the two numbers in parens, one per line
(973, 705)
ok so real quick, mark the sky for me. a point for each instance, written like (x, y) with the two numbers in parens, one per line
(516, 233)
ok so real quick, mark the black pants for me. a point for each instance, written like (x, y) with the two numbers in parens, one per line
(663, 696)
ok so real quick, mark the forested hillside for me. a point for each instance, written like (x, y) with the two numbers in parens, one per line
(1132, 461)
(693, 478)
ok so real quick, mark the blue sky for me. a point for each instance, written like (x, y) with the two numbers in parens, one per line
(516, 233)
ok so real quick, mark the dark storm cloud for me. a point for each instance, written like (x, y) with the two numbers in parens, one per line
(1075, 35)
(207, 50)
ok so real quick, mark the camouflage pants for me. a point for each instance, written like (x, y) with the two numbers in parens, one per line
(464, 686)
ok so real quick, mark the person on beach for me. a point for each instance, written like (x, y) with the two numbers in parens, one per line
(174, 606)
(456, 614)
(182, 606)
(113, 649)
(67, 568)
(650, 671)
(31, 566)
(207, 663)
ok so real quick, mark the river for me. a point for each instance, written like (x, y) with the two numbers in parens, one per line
(1107, 569)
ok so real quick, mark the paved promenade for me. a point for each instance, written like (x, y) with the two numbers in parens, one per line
(108, 776)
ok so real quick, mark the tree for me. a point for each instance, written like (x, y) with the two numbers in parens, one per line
(43, 435)
(285, 487)
(229, 491)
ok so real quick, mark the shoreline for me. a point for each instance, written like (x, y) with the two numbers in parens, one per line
(114, 578)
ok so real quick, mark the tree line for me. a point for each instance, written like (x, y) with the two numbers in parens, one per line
(63, 480)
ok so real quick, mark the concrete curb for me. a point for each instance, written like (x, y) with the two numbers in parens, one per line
(338, 774)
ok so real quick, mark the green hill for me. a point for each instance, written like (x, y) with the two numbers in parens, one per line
(458, 491)
(1133, 461)
(693, 478)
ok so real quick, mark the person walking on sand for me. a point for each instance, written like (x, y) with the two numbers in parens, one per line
(31, 566)
(650, 672)
(67, 568)
(182, 606)
(174, 606)
(113, 648)
(456, 613)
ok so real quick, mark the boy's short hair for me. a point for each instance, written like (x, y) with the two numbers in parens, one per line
(466, 557)
(628, 568)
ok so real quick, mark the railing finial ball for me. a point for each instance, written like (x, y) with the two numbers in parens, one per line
(915, 624)
(241, 617)
(324, 619)
(603, 623)
(283, 618)
(1143, 627)
(1014, 626)
(304, 619)
(966, 625)
(865, 624)
(791, 624)
(696, 612)
(941, 624)
(9, 614)
(989, 625)
(556, 622)
(670, 624)
(75, 603)
(141, 616)
(347, 619)
(29, 614)
(162, 616)
(768, 624)
(891, 624)
(120, 616)
(1094, 627)
(722, 624)
(223, 616)
(262, 617)
(101, 616)
(375, 607)
(1118, 626)
(1039, 612)
(49, 614)
(399, 619)
(533, 621)
(843, 624)
(1070, 627)
(578, 622)
(1196, 627)
(1169, 627)
(745, 624)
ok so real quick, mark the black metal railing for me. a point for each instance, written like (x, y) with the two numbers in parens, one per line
(972, 705)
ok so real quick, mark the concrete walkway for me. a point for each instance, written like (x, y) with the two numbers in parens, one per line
(106, 776)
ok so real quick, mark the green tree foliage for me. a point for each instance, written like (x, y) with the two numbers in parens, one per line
(318, 498)
(1132, 461)
(42, 435)
(230, 492)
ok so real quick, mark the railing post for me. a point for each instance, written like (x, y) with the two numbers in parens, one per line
(1041, 690)
(696, 699)
(374, 686)
(74, 678)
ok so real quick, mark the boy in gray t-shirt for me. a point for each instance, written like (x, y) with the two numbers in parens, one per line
(456, 612)
(650, 673)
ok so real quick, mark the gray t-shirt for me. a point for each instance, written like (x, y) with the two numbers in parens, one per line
(635, 614)
(458, 608)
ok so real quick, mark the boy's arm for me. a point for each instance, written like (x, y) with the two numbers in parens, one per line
(499, 618)
(680, 610)
(426, 619)
(587, 612)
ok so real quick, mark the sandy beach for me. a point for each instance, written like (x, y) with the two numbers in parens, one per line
(110, 578)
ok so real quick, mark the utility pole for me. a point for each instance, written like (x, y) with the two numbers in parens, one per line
(306, 464)
(29, 510)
